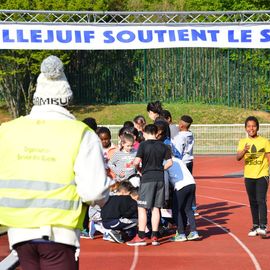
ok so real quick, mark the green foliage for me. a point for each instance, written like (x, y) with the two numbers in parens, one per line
(155, 5)
(136, 5)
(128, 76)
(226, 5)
(18, 72)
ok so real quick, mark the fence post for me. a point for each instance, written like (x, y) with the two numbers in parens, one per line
(145, 75)
(228, 76)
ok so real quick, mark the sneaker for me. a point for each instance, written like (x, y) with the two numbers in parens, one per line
(137, 241)
(155, 241)
(106, 237)
(116, 236)
(92, 229)
(148, 234)
(193, 235)
(178, 237)
(85, 234)
(254, 231)
(262, 231)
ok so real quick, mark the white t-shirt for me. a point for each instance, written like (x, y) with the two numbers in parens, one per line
(173, 130)
(184, 142)
(179, 175)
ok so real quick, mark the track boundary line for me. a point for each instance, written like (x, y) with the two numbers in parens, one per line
(250, 254)
(135, 258)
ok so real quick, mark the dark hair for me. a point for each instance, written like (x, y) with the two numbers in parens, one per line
(140, 137)
(105, 130)
(151, 129)
(127, 137)
(140, 120)
(128, 130)
(166, 115)
(126, 186)
(134, 191)
(164, 129)
(91, 122)
(252, 118)
(128, 124)
(155, 107)
(187, 119)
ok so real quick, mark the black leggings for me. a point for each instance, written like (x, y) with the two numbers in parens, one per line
(257, 190)
(182, 208)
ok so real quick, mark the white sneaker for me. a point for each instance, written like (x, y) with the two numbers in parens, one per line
(254, 231)
(262, 231)
(193, 235)
(116, 236)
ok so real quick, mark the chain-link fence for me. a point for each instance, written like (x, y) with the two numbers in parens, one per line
(212, 139)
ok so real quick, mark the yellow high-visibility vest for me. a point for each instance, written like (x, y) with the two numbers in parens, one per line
(37, 185)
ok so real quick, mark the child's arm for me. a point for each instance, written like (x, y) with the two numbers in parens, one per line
(168, 164)
(240, 154)
(136, 163)
(268, 157)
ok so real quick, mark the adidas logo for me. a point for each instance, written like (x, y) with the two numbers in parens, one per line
(253, 154)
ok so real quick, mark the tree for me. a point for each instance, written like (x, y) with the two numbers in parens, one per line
(226, 5)
(18, 74)
(19, 68)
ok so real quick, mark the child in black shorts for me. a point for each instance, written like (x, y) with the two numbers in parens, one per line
(151, 154)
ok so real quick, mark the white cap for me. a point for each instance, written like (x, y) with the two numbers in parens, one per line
(52, 85)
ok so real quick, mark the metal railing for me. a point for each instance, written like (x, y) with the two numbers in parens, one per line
(127, 17)
(212, 139)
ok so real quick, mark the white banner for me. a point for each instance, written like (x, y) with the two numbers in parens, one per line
(119, 37)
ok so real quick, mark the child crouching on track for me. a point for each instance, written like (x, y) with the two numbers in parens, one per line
(184, 186)
(120, 212)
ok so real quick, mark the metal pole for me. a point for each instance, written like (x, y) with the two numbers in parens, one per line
(145, 75)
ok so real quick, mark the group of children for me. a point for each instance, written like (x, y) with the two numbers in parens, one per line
(149, 170)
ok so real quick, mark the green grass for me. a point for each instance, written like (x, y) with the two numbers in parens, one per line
(201, 113)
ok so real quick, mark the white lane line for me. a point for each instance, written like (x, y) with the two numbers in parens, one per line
(250, 254)
(135, 258)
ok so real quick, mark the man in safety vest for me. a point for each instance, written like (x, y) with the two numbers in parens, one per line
(51, 166)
